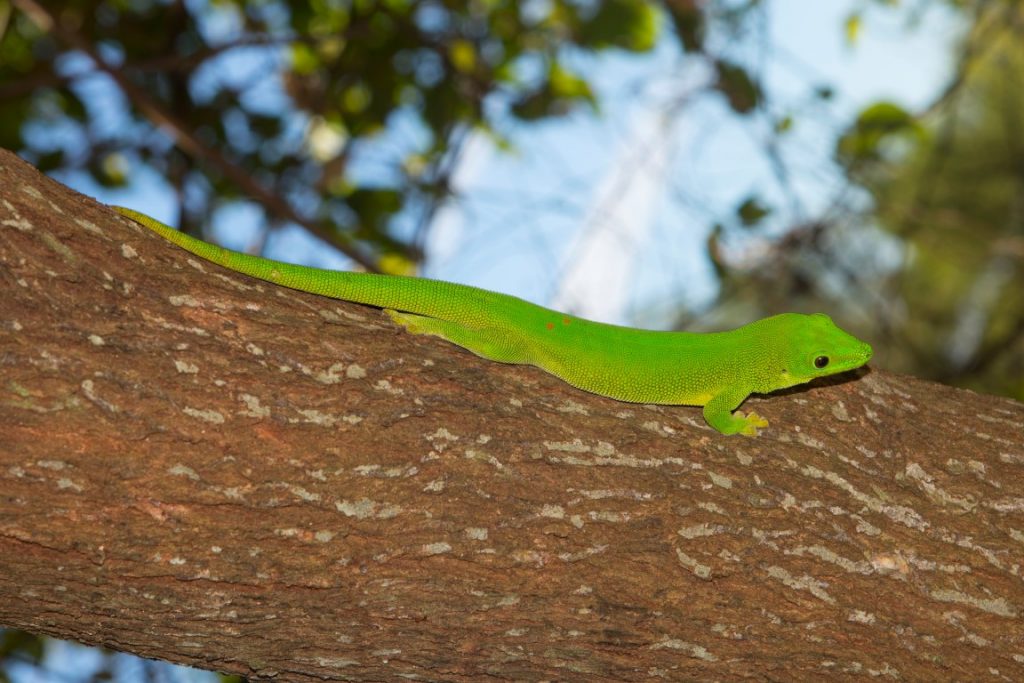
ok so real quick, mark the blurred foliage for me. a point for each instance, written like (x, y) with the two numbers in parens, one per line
(876, 126)
(950, 185)
(19, 647)
(752, 211)
(922, 249)
(285, 105)
(350, 69)
(738, 85)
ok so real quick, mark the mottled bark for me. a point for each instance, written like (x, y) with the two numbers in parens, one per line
(206, 469)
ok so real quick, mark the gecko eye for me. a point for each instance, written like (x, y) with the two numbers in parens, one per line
(820, 362)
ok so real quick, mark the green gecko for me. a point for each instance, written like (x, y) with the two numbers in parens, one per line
(716, 370)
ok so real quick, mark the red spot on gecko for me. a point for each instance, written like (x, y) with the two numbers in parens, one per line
(566, 321)
(550, 326)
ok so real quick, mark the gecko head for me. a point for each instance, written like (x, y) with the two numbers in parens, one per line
(815, 347)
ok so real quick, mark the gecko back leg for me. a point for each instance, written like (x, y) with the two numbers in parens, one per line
(487, 342)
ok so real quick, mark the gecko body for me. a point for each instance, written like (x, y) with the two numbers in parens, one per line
(716, 370)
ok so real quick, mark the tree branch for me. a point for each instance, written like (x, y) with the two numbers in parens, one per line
(199, 467)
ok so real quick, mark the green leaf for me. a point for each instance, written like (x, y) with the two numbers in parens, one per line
(567, 85)
(50, 161)
(374, 207)
(356, 98)
(783, 125)
(115, 169)
(556, 97)
(875, 125)
(22, 643)
(396, 263)
(887, 116)
(752, 211)
(852, 27)
(628, 24)
(109, 170)
(740, 89)
(304, 59)
(462, 54)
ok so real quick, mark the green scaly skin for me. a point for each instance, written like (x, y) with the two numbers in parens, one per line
(716, 370)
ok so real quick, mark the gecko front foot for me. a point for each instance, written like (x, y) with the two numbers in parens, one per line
(751, 422)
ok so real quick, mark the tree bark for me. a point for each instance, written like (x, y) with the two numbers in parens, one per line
(210, 470)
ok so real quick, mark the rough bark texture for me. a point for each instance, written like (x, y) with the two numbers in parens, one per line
(201, 468)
